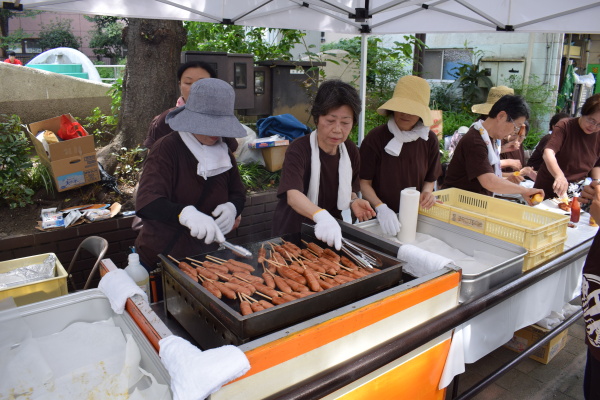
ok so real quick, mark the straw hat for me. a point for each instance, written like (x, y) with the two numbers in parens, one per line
(208, 111)
(493, 96)
(411, 96)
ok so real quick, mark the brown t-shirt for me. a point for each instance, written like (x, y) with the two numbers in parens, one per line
(418, 162)
(159, 128)
(296, 175)
(590, 288)
(170, 173)
(469, 161)
(576, 153)
(537, 157)
(518, 154)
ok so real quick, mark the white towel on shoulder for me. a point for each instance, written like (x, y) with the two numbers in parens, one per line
(196, 374)
(394, 146)
(421, 262)
(212, 160)
(118, 286)
(493, 153)
(344, 173)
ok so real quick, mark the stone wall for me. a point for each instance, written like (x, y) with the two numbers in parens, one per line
(255, 226)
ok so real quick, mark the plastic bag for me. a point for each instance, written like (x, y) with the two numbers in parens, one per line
(70, 129)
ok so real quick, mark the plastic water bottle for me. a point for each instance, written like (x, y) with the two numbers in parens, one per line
(138, 273)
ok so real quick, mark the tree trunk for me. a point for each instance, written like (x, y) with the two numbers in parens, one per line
(149, 85)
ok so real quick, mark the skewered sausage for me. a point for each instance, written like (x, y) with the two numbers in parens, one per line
(307, 254)
(269, 280)
(241, 264)
(296, 287)
(312, 281)
(262, 254)
(212, 289)
(331, 255)
(264, 289)
(282, 285)
(245, 307)
(238, 288)
(248, 277)
(207, 273)
(315, 248)
(265, 304)
(256, 307)
(227, 292)
(286, 272)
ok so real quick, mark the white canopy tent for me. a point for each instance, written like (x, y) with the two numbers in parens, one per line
(375, 17)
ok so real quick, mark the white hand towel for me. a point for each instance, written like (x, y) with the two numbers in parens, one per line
(493, 153)
(195, 374)
(394, 146)
(212, 160)
(118, 286)
(421, 262)
(344, 173)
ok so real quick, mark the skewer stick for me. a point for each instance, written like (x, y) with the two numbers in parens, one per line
(194, 260)
(215, 259)
(275, 263)
(326, 275)
(173, 259)
(263, 295)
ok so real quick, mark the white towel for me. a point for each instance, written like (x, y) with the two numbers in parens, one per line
(344, 173)
(493, 153)
(212, 160)
(394, 146)
(421, 262)
(118, 286)
(195, 374)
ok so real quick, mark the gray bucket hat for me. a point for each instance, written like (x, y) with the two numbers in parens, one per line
(208, 111)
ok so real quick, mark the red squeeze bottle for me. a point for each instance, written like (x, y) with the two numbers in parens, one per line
(575, 210)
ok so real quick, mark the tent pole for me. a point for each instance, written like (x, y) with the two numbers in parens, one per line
(363, 86)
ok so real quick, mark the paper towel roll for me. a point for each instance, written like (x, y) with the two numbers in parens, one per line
(409, 212)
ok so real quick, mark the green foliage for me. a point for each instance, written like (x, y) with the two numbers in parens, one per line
(532, 139)
(445, 97)
(106, 38)
(452, 120)
(58, 34)
(14, 163)
(40, 177)
(473, 81)
(103, 126)
(13, 40)
(255, 177)
(539, 96)
(129, 165)
(263, 43)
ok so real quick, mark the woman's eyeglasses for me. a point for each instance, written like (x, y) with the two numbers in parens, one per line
(517, 127)
(591, 122)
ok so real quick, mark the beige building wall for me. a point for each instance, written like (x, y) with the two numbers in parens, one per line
(35, 95)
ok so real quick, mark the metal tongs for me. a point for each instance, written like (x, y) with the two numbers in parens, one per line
(359, 256)
(238, 250)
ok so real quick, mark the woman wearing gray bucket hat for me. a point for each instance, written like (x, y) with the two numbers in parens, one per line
(320, 171)
(191, 190)
(401, 154)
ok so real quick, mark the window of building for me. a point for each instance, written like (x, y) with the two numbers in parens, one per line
(442, 63)
(27, 46)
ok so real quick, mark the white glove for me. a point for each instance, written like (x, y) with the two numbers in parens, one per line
(327, 229)
(201, 225)
(388, 219)
(225, 216)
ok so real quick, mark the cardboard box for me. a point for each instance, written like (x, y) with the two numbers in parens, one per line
(274, 157)
(527, 336)
(34, 291)
(72, 163)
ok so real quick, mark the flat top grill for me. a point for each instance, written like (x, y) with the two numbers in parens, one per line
(192, 305)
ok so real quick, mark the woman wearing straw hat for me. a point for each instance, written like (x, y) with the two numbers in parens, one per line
(475, 165)
(320, 171)
(191, 192)
(400, 154)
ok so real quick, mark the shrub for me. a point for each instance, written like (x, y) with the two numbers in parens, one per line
(14, 163)
(255, 177)
(129, 165)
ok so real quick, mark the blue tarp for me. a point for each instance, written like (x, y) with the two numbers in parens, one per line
(285, 125)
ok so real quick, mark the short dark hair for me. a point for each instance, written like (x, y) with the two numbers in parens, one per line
(557, 117)
(11, 53)
(591, 105)
(514, 106)
(196, 64)
(333, 94)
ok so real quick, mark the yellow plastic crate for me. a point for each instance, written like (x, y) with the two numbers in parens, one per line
(33, 292)
(538, 257)
(505, 220)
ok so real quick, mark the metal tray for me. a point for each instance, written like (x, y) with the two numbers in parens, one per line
(214, 322)
(52, 316)
(465, 240)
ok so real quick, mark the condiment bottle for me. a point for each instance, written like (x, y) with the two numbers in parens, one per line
(575, 210)
(138, 273)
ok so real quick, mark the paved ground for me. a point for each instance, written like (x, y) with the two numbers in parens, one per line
(561, 378)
